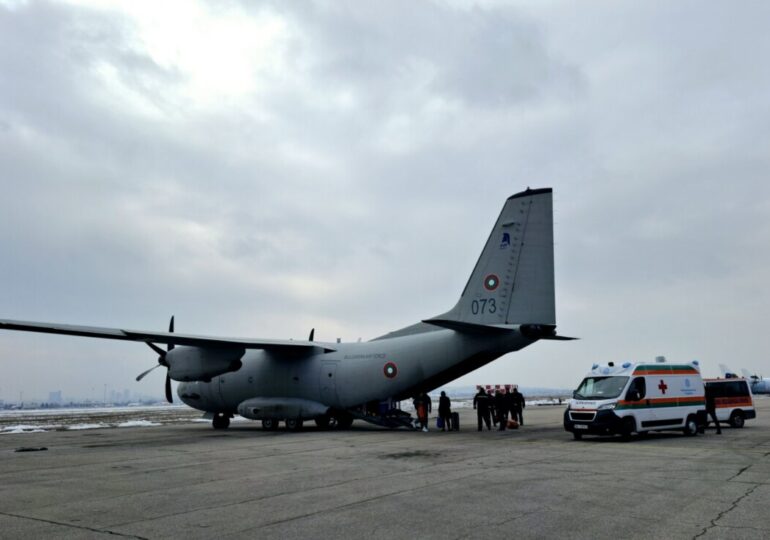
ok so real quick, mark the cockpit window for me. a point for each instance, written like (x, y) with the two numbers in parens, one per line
(600, 387)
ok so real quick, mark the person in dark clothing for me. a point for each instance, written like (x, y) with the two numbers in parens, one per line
(445, 411)
(501, 406)
(711, 410)
(517, 406)
(481, 402)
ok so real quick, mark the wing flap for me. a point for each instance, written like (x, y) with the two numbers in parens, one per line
(164, 337)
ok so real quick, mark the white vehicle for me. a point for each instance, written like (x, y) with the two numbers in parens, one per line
(637, 398)
(732, 400)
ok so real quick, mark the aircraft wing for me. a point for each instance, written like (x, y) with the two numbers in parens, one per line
(164, 337)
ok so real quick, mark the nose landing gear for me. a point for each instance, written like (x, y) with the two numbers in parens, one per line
(220, 421)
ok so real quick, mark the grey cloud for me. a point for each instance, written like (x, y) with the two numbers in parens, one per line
(291, 208)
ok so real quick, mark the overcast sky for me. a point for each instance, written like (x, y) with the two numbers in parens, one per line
(262, 168)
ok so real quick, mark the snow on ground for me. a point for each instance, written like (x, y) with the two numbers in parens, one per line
(21, 428)
(138, 423)
(78, 427)
(10, 413)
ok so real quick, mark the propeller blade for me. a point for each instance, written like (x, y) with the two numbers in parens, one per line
(312, 334)
(168, 388)
(171, 331)
(157, 349)
(142, 374)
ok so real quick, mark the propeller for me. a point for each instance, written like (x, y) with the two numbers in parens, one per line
(162, 361)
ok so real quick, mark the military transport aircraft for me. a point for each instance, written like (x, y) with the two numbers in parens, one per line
(507, 304)
(758, 384)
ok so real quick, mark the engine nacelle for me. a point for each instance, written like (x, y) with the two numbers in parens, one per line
(187, 364)
(281, 408)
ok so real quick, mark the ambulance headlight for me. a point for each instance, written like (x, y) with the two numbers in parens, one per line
(606, 407)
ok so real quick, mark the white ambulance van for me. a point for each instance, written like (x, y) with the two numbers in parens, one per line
(733, 400)
(637, 398)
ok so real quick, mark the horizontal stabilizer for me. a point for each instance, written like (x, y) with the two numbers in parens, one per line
(542, 331)
(475, 328)
(533, 331)
(560, 338)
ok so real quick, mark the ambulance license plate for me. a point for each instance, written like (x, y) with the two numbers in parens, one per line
(580, 426)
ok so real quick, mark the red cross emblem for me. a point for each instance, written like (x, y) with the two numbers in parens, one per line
(663, 387)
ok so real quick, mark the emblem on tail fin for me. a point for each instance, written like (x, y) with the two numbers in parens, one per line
(491, 282)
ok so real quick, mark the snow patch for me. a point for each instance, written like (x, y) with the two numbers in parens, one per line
(76, 427)
(138, 423)
(21, 428)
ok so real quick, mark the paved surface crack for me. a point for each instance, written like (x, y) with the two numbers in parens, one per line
(723, 513)
(73, 526)
(743, 470)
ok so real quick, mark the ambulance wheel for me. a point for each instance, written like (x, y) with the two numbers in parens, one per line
(294, 424)
(220, 421)
(269, 424)
(577, 436)
(737, 419)
(627, 429)
(691, 426)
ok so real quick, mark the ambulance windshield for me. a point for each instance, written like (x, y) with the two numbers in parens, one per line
(600, 387)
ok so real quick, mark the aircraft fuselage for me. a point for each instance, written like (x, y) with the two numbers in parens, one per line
(356, 373)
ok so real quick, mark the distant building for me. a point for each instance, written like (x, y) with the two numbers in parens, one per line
(55, 397)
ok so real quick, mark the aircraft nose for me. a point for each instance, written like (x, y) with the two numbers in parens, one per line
(189, 393)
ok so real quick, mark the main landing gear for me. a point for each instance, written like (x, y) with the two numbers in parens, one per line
(333, 420)
(292, 424)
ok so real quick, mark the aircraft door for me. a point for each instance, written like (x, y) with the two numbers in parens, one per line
(328, 383)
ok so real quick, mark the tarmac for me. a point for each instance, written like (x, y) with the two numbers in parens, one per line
(186, 480)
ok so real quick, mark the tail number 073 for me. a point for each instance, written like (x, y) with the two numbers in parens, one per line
(485, 305)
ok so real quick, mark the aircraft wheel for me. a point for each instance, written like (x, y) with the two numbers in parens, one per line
(737, 420)
(344, 420)
(220, 421)
(326, 421)
(691, 426)
(294, 424)
(269, 424)
(577, 436)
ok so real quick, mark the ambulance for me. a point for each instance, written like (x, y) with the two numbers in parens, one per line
(637, 398)
(733, 400)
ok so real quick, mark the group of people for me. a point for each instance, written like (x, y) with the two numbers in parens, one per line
(494, 409)
(423, 406)
(491, 409)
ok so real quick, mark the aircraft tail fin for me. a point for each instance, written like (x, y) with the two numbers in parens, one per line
(513, 280)
(725, 370)
(747, 374)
